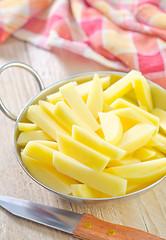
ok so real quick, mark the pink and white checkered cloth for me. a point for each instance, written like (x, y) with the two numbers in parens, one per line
(120, 34)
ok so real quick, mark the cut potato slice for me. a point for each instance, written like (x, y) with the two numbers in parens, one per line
(127, 123)
(144, 153)
(67, 116)
(47, 107)
(157, 155)
(130, 96)
(141, 172)
(39, 152)
(115, 78)
(49, 144)
(48, 176)
(103, 182)
(162, 139)
(161, 114)
(76, 103)
(26, 127)
(25, 137)
(96, 143)
(121, 87)
(95, 97)
(112, 127)
(125, 161)
(106, 107)
(158, 96)
(143, 93)
(133, 187)
(83, 90)
(121, 103)
(132, 114)
(153, 142)
(136, 137)
(57, 96)
(100, 133)
(37, 115)
(82, 153)
(84, 191)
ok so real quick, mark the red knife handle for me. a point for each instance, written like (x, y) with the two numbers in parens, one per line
(92, 228)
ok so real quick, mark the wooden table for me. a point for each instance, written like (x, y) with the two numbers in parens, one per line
(146, 212)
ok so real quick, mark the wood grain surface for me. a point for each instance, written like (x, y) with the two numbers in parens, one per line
(146, 212)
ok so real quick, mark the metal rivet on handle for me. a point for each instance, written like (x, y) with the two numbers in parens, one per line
(87, 225)
(110, 232)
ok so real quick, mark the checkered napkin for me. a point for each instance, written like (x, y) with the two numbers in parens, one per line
(120, 34)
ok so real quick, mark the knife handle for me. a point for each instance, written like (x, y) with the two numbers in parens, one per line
(92, 228)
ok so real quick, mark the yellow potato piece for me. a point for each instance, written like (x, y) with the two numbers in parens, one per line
(67, 116)
(96, 143)
(82, 153)
(136, 137)
(144, 153)
(25, 137)
(162, 139)
(95, 97)
(133, 187)
(143, 172)
(143, 93)
(161, 114)
(48, 176)
(158, 142)
(26, 127)
(47, 107)
(153, 142)
(129, 161)
(106, 107)
(83, 90)
(37, 115)
(132, 114)
(130, 96)
(125, 161)
(77, 104)
(114, 78)
(127, 123)
(100, 133)
(39, 151)
(157, 155)
(112, 127)
(57, 96)
(121, 103)
(49, 144)
(103, 182)
(158, 96)
(84, 191)
(121, 87)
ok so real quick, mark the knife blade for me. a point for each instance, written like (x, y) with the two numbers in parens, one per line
(83, 226)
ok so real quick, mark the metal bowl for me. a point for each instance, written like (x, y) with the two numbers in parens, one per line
(80, 78)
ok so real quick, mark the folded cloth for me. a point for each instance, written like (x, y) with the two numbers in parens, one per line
(119, 34)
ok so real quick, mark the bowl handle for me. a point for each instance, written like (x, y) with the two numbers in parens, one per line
(29, 69)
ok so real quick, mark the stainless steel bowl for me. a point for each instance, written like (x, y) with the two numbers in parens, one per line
(80, 78)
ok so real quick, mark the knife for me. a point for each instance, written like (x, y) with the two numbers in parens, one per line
(82, 226)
